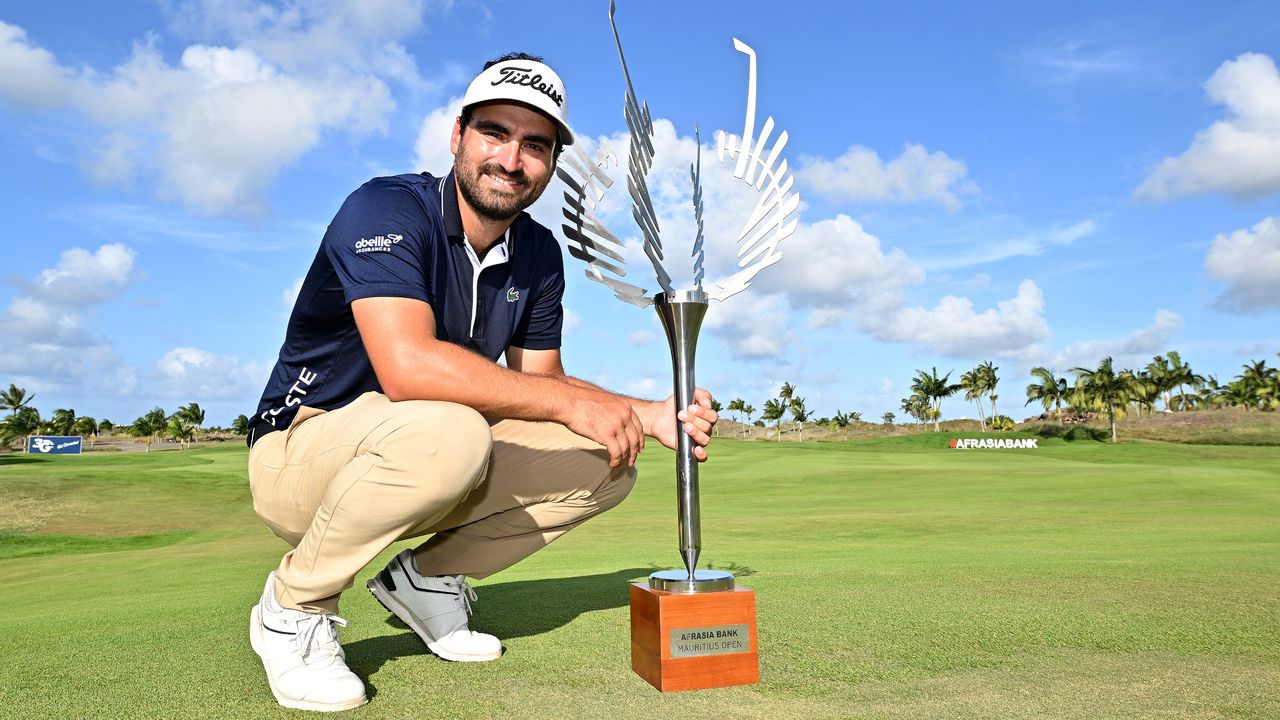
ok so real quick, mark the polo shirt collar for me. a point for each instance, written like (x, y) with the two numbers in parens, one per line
(497, 254)
(449, 208)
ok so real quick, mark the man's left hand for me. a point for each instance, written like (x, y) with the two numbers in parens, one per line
(696, 421)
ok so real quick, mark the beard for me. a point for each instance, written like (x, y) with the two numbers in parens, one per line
(493, 204)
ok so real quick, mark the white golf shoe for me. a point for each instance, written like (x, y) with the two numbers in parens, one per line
(305, 665)
(436, 608)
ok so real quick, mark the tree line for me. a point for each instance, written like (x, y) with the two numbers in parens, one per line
(183, 426)
(1166, 379)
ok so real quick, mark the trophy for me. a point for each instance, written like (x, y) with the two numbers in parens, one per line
(690, 628)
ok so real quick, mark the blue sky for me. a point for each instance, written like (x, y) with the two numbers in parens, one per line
(1018, 183)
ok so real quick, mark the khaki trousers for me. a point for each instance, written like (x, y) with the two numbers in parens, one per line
(341, 486)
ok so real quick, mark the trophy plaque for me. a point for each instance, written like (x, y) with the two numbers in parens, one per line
(690, 628)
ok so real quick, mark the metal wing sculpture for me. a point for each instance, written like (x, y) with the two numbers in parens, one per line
(758, 162)
(768, 224)
(589, 240)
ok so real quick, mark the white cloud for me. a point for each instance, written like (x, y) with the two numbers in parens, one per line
(642, 388)
(1240, 154)
(832, 268)
(214, 130)
(1258, 348)
(841, 272)
(290, 295)
(641, 337)
(954, 328)
(914, 176)
(82, 277)
(572, 320)
(362, 35)
(966, 252)
(1248, 261)
(753, 325)
(45, 337)
(188, 372)
(836, 263)
(32, 77)
(1132, 350)
(431, 151)
(1067, 60)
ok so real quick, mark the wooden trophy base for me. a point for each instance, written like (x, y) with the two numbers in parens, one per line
(691, 641)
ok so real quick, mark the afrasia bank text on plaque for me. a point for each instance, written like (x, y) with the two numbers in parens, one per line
(713, 640)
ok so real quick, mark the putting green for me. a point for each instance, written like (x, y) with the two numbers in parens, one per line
(895, 578)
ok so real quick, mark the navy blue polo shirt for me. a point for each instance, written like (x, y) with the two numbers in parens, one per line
(402, 236)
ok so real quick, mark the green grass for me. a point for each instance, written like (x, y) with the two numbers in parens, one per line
(895, 578)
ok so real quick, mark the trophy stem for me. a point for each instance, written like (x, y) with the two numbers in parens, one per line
(681, 313)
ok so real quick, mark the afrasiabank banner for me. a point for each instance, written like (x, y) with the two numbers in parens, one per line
(54, 445)
(994, 443)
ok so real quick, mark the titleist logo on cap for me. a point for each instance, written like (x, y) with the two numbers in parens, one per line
(527, 78)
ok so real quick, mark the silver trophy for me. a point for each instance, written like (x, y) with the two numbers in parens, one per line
(757, 162)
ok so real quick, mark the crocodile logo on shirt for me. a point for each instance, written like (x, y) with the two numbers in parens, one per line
(513, 295)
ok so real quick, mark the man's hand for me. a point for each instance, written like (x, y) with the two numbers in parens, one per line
(608, 419)
(696, 421)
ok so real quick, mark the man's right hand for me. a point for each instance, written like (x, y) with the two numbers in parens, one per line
(606, 418)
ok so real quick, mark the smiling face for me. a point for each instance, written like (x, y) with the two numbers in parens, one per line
(503, 159)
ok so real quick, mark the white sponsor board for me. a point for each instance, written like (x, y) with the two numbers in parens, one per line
(54, 445)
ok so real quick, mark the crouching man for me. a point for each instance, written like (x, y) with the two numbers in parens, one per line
(387, 416)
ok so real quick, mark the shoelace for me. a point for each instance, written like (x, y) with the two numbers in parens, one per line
(466, 595)
(308, 629)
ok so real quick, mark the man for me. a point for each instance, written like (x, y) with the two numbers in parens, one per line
(387, 417)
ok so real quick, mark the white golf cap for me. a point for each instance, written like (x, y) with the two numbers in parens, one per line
(526, 81)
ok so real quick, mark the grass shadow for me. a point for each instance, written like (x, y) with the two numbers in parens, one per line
(508, 610)
(21, 459)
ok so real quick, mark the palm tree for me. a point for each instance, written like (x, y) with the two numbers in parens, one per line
(145, 427)
(1256, 379)
(159, 421)
(1269, 391)
(786, 392)
(1209, 394)
(934, 388)
(22, 423)
(1145, 389)
(748, 410)
(240, 425)
(916, 406)
(14, 399)
(193, 415)
(1051, 390)
(735, 407)
(974, 386)
(1002, 423)
(799, 414)
(839, 420)
(1159, 376)
(1237, 393)
(1104, 385)
(63, 421)
(888, 418)
(990, 380)
(774, 410)
(86, 427)
(180, 429)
